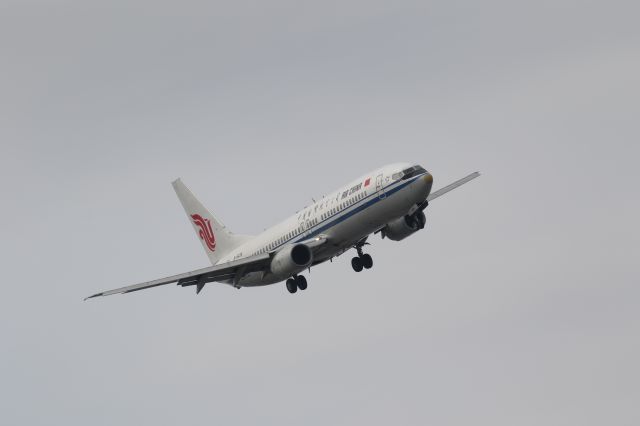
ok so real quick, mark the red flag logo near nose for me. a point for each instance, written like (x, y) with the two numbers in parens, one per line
(367, 182)
(206, 233)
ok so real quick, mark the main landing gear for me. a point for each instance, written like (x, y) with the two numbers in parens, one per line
(363, 260)
(295, 283)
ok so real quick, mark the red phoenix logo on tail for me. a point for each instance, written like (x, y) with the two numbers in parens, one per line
(206, 233)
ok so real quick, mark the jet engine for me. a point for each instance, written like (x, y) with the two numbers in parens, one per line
(404, 226)
(291, 259)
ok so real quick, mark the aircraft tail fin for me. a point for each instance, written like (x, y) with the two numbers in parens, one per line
(216, 239)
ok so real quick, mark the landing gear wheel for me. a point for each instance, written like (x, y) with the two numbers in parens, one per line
(356, 264)
(291, 285)
(301, 282)
(367, 261)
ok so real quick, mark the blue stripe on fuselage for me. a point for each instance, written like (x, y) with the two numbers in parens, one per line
(344, 215)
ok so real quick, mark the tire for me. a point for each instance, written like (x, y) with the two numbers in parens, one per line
(421, 220)
(291, 285)
(356, 264)
(367, 261)
(301, 281)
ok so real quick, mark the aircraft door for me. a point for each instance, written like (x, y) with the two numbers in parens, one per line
(380, 187)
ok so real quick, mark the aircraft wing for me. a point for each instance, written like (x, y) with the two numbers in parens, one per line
(199, 277)
(233, 270)
(452, 186)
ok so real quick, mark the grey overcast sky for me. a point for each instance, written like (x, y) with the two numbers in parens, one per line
(518, 305)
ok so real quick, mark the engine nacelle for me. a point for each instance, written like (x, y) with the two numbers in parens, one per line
(290, 260)
(404, 226)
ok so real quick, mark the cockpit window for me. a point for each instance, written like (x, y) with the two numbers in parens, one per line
(412, 171)
(396, 176)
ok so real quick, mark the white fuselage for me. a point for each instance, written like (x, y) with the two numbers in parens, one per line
(344, 217)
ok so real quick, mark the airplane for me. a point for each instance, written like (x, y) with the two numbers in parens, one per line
(390, 201)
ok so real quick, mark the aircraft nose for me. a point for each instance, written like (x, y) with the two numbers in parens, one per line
(427, 182)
